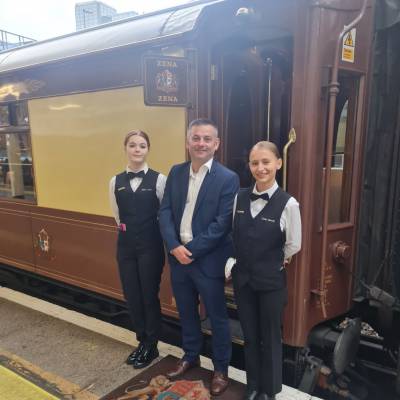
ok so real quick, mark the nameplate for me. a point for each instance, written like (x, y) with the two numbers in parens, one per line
(146, 190)
(239, 211)
(166, 81)
(121, 188)
(268, 220)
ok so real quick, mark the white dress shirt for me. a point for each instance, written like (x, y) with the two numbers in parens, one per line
(135, 183)
(195, 181)
(290, 223)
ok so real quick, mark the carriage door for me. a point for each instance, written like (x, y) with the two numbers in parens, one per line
(250, 101)
(343, 193)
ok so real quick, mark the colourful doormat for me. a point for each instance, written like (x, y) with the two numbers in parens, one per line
(152, 384)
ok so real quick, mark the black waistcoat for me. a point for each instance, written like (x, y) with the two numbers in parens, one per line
(259, 243)
(139, 212)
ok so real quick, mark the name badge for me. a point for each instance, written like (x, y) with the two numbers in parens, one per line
(268, 220)
(239, 211)
(121, 188)
(146, 190)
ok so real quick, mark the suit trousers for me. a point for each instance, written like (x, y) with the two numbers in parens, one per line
(211, 290)
(140, 276)
(260, 314)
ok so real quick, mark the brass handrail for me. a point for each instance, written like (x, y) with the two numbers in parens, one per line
(292, 139)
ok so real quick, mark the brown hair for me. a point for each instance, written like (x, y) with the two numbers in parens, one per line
(137, 132)
(264, 144)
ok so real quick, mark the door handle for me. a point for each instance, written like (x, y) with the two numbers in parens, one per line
(340, 251)
(292, 139)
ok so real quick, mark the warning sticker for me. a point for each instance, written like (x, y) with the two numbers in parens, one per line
(349, 45)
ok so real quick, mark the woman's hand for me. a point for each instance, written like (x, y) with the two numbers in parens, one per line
(230, 263)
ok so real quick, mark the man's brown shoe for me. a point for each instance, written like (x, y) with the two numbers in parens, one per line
(181, 367)
(219, 383)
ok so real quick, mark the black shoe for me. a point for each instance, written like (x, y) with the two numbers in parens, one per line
(251, 394)
(146, 357)
(135, 354)
(264, 396)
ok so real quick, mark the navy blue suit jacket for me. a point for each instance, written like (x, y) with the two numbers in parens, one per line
(212, 218)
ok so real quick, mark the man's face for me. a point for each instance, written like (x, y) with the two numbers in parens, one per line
(202, 143)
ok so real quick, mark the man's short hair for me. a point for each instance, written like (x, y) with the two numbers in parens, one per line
(202, 122)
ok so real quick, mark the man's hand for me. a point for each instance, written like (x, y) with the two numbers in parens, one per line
(182, 254)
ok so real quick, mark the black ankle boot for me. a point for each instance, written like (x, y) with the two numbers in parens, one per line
(146, 356)
(264, 396)
(251, 394)
(135, 354)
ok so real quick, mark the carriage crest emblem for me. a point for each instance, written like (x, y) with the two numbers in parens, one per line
(43, 245)
(166, 81)
(44, 241)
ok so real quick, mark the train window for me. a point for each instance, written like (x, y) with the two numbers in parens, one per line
(16, 170)
(4, 116)
(20, 111)
(16, 174)
(343, 151)
(173, 51)
(239, 126)
(338, 147)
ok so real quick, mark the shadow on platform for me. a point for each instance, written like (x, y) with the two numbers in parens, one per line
(152, 384)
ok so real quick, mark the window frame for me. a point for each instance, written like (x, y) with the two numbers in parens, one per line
(15, 129)
(350, 89)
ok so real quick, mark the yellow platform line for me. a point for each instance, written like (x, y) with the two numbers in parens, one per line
(14, 387)
(64, 388)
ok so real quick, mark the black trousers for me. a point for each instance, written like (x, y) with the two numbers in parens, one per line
(260, 314)
(140, 276)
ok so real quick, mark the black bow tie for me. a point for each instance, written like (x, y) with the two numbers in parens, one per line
(132, 175)
(254, 197)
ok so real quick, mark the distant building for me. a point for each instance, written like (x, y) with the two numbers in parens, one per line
(93, 13)
(10, 40)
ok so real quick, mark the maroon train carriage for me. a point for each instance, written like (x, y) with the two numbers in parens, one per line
(297, 73)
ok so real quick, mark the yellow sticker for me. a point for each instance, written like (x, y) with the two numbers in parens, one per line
(348, 40)
(349, 45)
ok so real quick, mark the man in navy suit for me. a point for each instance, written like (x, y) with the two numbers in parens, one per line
(195, 221)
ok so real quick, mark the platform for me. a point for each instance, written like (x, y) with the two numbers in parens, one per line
(49, 352)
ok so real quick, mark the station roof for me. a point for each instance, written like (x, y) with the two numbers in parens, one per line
(131, 31)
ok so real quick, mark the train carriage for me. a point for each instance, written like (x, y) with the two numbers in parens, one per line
(293, 72)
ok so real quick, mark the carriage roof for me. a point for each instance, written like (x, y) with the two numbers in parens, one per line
(129, 32)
